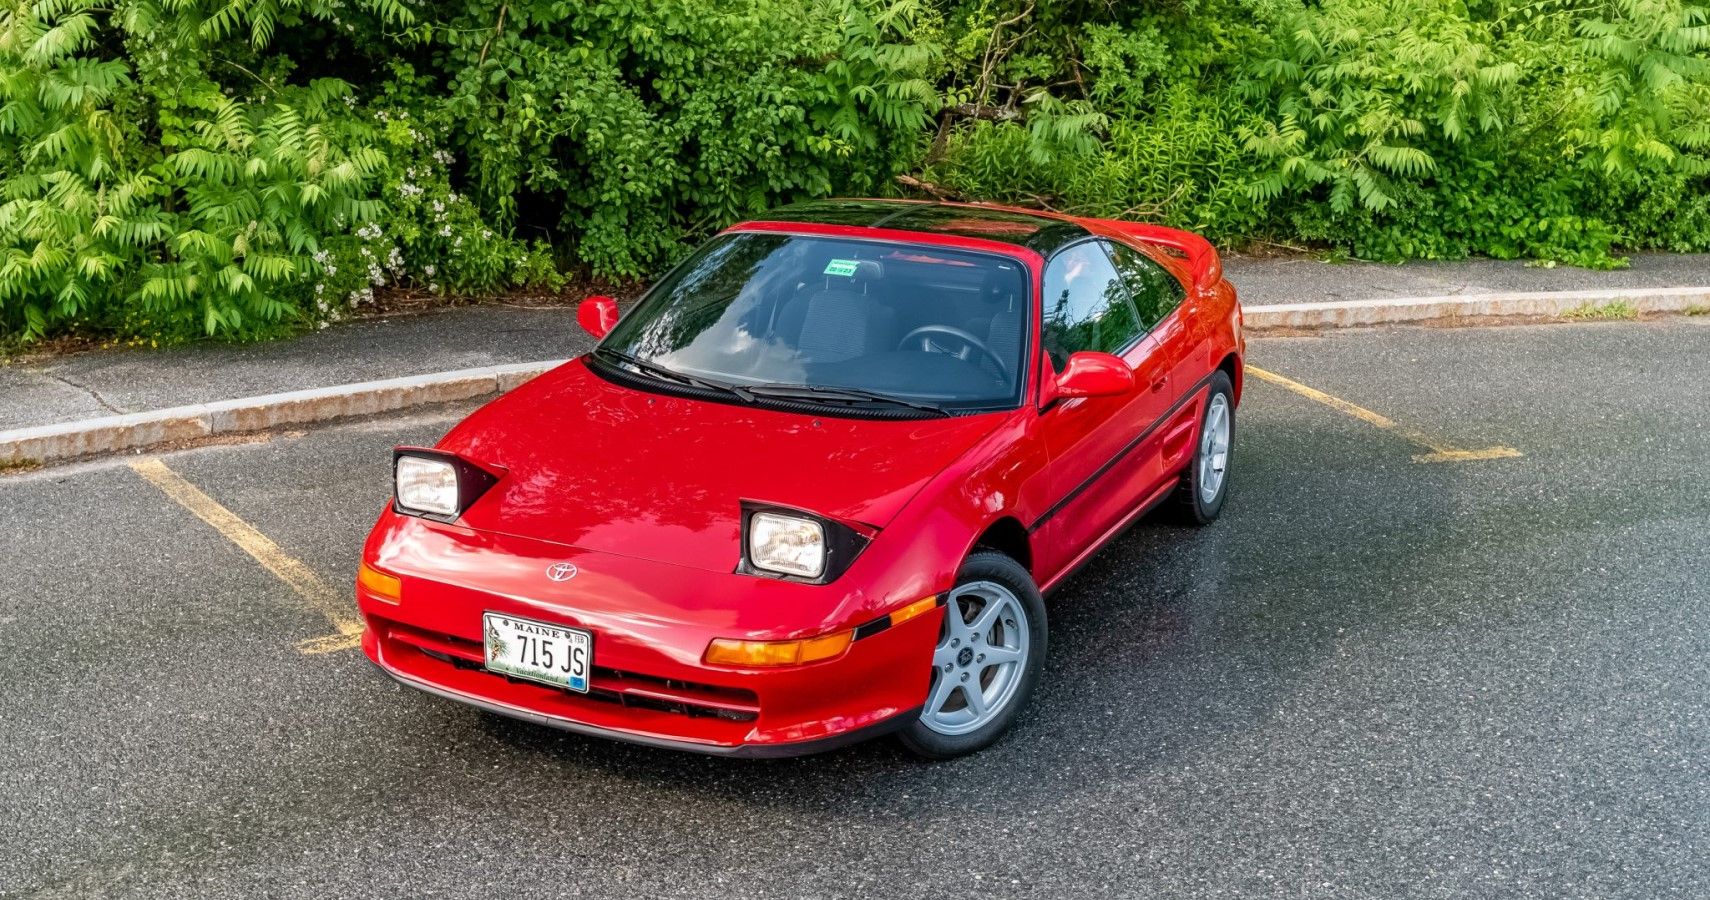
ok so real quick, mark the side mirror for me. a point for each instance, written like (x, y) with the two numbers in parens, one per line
(1092, 374)
(597, 315)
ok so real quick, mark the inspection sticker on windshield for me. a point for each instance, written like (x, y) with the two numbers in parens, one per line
(844, 267)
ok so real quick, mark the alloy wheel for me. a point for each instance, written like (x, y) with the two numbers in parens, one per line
(1214, 448)
(981, 656)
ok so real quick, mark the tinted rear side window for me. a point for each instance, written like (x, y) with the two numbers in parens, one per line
(1154, 290)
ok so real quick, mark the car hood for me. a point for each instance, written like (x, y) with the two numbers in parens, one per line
(596, 465)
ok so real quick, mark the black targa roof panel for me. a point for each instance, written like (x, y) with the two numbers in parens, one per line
(1041, 234)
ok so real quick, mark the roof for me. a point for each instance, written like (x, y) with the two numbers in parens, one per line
(1042, 234)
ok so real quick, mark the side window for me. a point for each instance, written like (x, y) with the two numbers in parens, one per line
(1155, 291)
(1085, 304)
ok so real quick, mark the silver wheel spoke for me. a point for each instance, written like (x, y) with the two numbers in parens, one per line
(940, 694)
(976, 699)
(956, 625)
(983, 622)
(997, 656)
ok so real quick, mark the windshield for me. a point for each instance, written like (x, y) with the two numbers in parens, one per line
(766, 314)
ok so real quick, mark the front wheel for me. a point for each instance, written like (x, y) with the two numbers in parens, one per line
(989, 655)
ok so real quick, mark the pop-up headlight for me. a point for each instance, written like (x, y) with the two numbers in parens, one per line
(434, 484)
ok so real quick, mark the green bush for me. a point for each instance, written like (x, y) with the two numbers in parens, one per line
(1179, 162)
(631, 127)
(174, 168)
(1388, 129)
(242, 168)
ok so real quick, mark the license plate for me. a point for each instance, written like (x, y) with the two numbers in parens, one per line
(550, 654)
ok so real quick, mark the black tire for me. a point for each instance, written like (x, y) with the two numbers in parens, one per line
(1189, 505)
(999, 569)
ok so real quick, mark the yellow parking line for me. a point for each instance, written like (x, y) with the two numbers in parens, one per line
(1440, 451)
(287, 568)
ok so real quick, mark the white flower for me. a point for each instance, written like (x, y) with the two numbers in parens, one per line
(433, 288)
(445, 231)
(429, 270)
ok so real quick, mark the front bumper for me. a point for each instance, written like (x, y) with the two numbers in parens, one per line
(741, 751)
(649, 685)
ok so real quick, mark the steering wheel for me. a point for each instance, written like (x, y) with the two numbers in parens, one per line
(928, 339)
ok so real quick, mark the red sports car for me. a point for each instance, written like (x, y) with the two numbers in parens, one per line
(812, 487)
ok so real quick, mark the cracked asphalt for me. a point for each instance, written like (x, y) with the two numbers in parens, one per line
(1372, 678)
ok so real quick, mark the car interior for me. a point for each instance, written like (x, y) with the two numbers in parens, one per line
(903, 318)
(926, 324)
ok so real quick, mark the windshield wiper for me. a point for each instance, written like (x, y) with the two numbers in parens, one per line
(826, 392)
(664, 374)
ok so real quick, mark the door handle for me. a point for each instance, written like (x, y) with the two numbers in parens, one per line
(1159, 384)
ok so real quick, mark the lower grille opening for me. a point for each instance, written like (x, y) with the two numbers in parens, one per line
(607, 685)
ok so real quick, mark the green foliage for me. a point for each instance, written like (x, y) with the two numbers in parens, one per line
(240, 168)
(641, 126)
(174, 168)
(1618, 309)
(1386, 129)
(432, 238)
(1362, 91)
(1179, 163)
(1652, 86)
(141, 195)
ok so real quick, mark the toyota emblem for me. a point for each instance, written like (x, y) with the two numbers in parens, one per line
(561, 571)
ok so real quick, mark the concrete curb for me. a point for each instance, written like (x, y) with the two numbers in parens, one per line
(1351, 313)
(137, 431)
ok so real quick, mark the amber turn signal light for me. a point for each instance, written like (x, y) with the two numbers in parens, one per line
(723, 652)
(918, 608)
(383, 586)
(727, 652)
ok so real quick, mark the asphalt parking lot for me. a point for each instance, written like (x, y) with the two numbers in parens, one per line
(1381, 674)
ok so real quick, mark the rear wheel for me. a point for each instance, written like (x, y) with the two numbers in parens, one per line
(1205, 483)
(989, 655)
